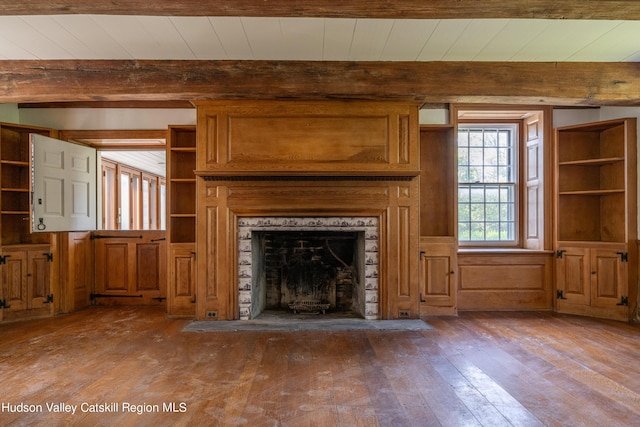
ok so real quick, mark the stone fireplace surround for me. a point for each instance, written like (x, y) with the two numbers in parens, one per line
(247, 225)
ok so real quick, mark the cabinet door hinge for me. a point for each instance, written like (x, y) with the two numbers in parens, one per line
(560, 252)
(3, 259)
(624, 256)
(560, 294)
(3, 304)
(49, 256)
(49, 299)
(624, 301)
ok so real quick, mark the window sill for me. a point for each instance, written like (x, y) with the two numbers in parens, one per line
(503, 251)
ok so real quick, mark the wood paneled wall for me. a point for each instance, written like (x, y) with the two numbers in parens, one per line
(506, 280)
(130, 267)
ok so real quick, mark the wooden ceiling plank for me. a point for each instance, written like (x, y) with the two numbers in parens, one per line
(617, 44)
(369, 39)
(407, 39)
(511, 38)
(437, 9)
(573, 83)
(199, 36)
(476, 35)
(336, 33)
(230, 32)
(265, 37)
(575, 35)
(303, 38)
(441, 39)
(93, 36)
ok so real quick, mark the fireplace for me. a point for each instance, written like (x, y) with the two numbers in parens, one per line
(308, 264)
(321, 166)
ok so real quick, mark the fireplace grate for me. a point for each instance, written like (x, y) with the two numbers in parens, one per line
(309, 307)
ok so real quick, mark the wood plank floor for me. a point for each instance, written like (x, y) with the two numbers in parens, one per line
(490, 369)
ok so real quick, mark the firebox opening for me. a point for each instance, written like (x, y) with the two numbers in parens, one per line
(308, 272)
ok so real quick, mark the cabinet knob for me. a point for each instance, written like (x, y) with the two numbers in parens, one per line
(593, 272)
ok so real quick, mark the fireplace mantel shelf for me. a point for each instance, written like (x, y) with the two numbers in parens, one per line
(300, 175)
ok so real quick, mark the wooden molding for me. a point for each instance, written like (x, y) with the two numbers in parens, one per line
(405, 9)
(118, 139)
(540, 83)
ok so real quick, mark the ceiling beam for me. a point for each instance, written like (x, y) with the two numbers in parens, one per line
(405, 9)
(570, 83)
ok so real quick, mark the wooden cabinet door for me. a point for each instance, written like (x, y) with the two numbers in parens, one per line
(182, 280)
(608, 278)
(131, 267)
(573, 277)
(14, 281)
(39, 280)
(438, 289)
(593, 282)
(26, 283)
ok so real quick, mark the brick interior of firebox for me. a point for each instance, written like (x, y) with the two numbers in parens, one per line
(325, 267)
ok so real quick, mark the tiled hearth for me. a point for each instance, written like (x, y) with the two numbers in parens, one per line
(367, 225)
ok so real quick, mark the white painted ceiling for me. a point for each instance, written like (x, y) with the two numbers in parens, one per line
(317, 39)
(152, 161)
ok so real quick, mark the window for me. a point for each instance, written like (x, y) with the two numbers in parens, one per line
(109, 205)
(163, 203)
(149, 202)
(504, 176)
(488, 184)
(131, 199)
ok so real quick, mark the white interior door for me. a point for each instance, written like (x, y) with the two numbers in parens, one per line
(63, 186)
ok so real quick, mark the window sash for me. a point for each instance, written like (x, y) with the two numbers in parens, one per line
(488, 184)
(487, 212)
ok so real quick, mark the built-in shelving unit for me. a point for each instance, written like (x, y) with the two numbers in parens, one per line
(438, 219)
(182, 184)
(26, 258)
(438, 176)
(15, 186)
(181, 227)
(596, 226)
(592, 182)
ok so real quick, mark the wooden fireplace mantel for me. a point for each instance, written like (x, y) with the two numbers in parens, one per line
(302, 176)
(222, 203)
(289, 158)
